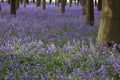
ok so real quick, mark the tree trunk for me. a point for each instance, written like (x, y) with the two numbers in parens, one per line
(43, 4)
(78, 1)
(95, 2)
(83, 3)
(74, 1)
(25, 3)
(109, 28)
(0, 8)
(12, 7)
(33, 1)
(99, 6)
(38, 3)
(2, 1)
(8, 1)
(65, 2)
(63, 6)
(56, 3)
(89, 12)
(50, 1)
(70, 3)
(17, 4)
(21, 1)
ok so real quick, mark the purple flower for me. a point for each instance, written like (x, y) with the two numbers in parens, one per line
(77, 71)
(1, 68)
(103, 69)
(117, 67)
(58, 71)
(26, 76)
(45, 77)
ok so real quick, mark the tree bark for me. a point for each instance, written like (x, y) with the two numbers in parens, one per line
(38, 3)
(50, 1)
(25, 3)
(74, 1)
(8, 1)
(33, 1)
(70, 3)
(89, 12)
(21, 1)
(99, 6)
(63, 6)
(17, 4)
(83, 3)
(95, 2)
(13, 7)
(0, 8)
(43, 4)
(109, 28)
(78, 1)
(2, 1)
(56, 3)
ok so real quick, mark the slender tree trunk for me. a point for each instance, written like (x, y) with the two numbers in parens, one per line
(74, 1)
(63, 6)
(99, 6)
(65, 2)
(109, 28)
(25, 3)
(33, 1)
(59, 1)
(0, 8)
(95, 2)
(83, 3)
(43, 4)
(2, 1)
(56, 3)
(50, 1)
(70, 3)
(13, 7)
(17, 4)
(8, 1)
(37, 3)
(78, 1)
(89, 12)
(21, 1)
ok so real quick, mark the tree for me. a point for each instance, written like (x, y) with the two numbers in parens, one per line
(57, 3)
(63, 2)
(70, 3)
(27, 1)
(24, 3)
(78, 1)
(33, 1)
(43, 4)
(2, 1)
(109, 28)
(89, 12)
(74, 1)
(50, 1)
(99, 6)
(17, 4)
(0, 8)
(83, 3)
(12, 7)
(95, 2)
(8, 1)
(38, 3)
(21, 1)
